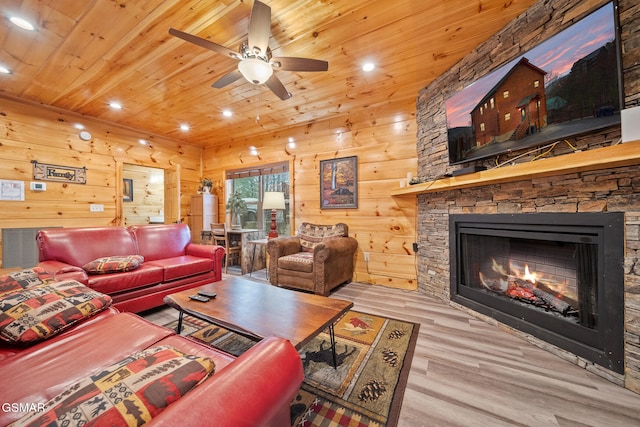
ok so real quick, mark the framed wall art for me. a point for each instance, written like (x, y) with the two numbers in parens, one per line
(339, 183)
(127, 190)
(11, 190)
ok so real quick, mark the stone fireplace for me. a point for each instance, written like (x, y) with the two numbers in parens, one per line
(531, 186)
(556, 276)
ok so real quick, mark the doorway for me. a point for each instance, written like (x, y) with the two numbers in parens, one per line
(150, 195)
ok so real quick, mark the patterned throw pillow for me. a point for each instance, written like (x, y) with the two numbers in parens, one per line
(32, 315)
(128, 393)
(24, 279)
(113, 264)
(311, 234)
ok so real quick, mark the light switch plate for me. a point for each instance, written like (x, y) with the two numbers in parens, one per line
(94, 207)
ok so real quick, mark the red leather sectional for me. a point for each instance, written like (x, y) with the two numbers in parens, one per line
(255, 389)
(171, 262)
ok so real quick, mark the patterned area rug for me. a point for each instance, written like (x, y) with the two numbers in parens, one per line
(374, 356)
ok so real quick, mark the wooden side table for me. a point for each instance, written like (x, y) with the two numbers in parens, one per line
(256, 243)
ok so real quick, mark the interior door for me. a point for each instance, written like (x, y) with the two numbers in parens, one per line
(172, 195)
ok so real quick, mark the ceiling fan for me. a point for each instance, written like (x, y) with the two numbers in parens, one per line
(255, 62)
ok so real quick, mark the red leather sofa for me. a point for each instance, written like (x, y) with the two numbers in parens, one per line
(171, 262)
(255, 389)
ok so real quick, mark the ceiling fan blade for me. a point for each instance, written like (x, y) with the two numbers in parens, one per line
(260, 27)
(300, 64)
(227, 79)
(203, 43)
(278, 88)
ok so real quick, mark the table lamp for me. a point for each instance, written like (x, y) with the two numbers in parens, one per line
(273, 200)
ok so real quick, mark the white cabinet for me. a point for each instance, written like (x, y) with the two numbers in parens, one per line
(204, 211)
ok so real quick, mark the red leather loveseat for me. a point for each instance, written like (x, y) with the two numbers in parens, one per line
(171, 263)
(68, 373)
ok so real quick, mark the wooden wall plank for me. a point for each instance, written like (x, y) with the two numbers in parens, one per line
(385, 146)
(31, 133)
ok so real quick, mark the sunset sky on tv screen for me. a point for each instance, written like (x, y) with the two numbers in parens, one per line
(555, 56)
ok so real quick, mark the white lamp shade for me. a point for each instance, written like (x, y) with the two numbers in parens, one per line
(255, 70)
(273, 200)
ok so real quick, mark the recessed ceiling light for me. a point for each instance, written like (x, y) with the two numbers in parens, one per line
(227, 113)
(142, 141)
(184, 127)
(78, 126)
(291, 143)
(4, 70)
(115, 105)
(22, 23)
(369, 66)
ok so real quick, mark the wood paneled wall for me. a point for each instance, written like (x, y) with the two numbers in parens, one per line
(148, 194)
(30, 132)
(383, 137)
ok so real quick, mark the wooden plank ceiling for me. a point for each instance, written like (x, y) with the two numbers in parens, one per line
(85, 54)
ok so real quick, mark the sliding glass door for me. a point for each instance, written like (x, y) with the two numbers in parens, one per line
(249, 185)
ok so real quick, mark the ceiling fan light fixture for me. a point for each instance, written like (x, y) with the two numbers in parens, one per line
(255, 70)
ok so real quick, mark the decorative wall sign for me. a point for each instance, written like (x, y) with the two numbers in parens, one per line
(339, 183)
(45, 172)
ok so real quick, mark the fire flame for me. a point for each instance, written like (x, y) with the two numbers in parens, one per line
(531, 277)
(515, 270)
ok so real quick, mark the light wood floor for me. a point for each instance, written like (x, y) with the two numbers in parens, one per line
(466, 372)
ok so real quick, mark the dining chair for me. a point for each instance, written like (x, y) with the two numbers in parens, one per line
(220, 236)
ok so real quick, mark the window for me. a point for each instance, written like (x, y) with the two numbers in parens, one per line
(505, 94)
(492, 102)
(507, 117)
(482, 127)
(251, 183)
(536, 83)
(481, 110)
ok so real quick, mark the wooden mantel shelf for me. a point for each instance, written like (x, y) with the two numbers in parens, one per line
(626, 154)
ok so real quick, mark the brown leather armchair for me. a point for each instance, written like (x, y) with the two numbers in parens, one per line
(317, 259)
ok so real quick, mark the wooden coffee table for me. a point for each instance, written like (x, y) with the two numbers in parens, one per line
(259, 310)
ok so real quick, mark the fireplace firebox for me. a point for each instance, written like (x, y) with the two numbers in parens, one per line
(556, 276)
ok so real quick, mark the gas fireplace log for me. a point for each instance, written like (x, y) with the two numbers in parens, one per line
(555, 302)
(563, 297)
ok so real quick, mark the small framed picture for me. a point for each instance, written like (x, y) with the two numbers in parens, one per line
(339, 183)
(127, 190)
(11, 190)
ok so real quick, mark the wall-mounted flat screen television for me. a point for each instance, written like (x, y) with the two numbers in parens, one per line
(568, 85)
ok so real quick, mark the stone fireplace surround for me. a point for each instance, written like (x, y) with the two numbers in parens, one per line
(613, 189)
